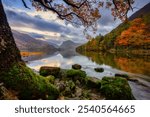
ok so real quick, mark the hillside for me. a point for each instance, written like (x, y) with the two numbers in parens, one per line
(68, 45)
(27, 43)
(131, 36)
(67, 49)
(144, 10)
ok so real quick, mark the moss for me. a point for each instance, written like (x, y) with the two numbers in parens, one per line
(50, 79)
(116, 89)
(75, 73)
(28, 84)
(93, 83)
(86, 94)
(69, 88)
(122, 75)
(46, 71)
(71, 85)
(43, 73)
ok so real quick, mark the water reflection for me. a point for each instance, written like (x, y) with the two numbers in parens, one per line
(139, 67)
(128, 63)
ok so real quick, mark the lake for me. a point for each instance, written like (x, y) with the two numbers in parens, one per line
(138, 67)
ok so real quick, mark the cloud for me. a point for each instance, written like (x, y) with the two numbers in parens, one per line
(46, 26)
(38, 27)
(23, 19)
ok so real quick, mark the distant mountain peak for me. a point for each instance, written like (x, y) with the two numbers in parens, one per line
(27, 43)
(139, 13)
(69, 43)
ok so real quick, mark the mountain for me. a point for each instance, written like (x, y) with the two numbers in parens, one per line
(130, 36)
(68, 45)
(67, 48)
(27, 43)
(144, 10)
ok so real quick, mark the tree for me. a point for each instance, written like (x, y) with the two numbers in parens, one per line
(83, 12)
(9, 53)
(78, 12)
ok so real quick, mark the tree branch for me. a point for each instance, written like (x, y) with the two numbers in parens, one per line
(25, 5)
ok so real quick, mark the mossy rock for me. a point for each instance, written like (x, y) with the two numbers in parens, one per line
(99, 69)
(46, 71)
(93, 82)
(71, 85)
(69, 89)
(76, 66)
(116, 88)
(72, 73)
(122, 75)
(28, 84)
(50, 79)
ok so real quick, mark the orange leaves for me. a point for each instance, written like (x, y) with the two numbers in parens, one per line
(96, 13)
(83, 12)
(135, 35)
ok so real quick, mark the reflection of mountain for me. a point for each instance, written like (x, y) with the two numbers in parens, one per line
(131, 36)
(27, 43)
(67, 48)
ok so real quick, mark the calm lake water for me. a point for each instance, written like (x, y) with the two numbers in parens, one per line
(136, 67)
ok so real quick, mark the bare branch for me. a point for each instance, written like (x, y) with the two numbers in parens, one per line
(25, 5)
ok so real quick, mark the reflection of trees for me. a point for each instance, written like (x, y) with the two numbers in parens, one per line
(128, 63)
(134, 65)
(101, 58)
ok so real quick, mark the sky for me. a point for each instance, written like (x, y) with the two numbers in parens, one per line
(46, 26)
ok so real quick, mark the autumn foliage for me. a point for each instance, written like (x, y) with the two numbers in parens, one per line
(131, 36)
(136, 35)
(83, 12)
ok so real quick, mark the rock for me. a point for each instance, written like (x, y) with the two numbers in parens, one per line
(122, 75)
(76, 66)
(61, 87)
(78, 92)
(46, 71)
(6, 94)
(116, 88)
(133, 80)
(67, 92)
(67, 88)
(94, 96)
(93, 83)
(75, 74)
(61, 98)
(99, 69)
(50, 79)
(71, 85)
(77, 82)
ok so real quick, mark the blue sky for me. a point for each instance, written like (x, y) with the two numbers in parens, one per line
(46, 25)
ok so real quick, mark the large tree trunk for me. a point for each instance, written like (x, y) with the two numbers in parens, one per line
(9, 52)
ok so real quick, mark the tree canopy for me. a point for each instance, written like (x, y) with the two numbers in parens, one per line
(83, 12)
